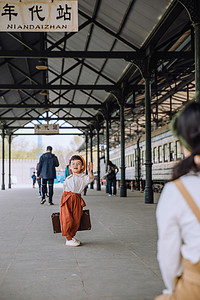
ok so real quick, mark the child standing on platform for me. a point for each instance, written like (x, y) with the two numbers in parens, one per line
(71, 207)
(34, 179)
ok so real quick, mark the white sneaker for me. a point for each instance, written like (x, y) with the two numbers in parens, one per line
(109, 195)
(76, 240)
(72, 243)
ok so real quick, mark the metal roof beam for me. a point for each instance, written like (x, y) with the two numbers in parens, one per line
(173, 54)
(69, 133)
(61, 127)
(59, 106)
(66, 119)
(106, 87)
(95, 106)
(127, 55)
(71, 54)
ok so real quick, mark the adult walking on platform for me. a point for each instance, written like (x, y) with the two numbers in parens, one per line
(112, 170)
(178, 214)
(47, 168)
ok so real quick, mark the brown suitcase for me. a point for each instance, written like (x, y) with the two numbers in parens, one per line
(55, 217)
(85, 223)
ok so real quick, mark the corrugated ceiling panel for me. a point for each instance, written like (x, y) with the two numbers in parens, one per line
(80, 98)
(111, 13)
(91, 113)
(72, 75)
(96, 63)
(143, 18)
(115, 68)
(119, 46)
(6, 75)
(11, 97)
(100, 40)
(93, 101)
(102, 80)
(63, 113)
(77, 41)
(53, 37)
(76, 112)
(87, 6)
(87, 76)
(100, 94)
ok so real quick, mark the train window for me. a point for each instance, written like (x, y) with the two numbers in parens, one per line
(159, 154)
(118, 162)
(166, 152)
(132, 160)
(155, 155)
(143, 157)
(136, 156)
(129, 160)
(179, 150)
(171, 151)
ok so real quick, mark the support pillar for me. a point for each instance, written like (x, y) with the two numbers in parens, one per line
(86, 152)
(193, 9)
(148, 186)
(145, 67)
(197, 59)
(9, 161)
(120, 95)
(107, 149)
(91, 158)
(98, 163)
(3, 159)
(122, 129)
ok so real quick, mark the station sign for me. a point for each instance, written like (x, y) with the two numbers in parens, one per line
(46, 129)
(39, 16)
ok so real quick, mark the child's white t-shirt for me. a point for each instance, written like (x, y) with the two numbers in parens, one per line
(76, 183)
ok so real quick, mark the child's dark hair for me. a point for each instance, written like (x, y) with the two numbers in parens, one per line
(76, 157)
(188, 128)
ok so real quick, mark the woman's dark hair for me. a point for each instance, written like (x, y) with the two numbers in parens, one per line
(110, 163)
(75, 157)
(188, 127)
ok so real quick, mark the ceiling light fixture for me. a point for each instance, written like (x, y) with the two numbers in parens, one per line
(42, 65)
(44, 93)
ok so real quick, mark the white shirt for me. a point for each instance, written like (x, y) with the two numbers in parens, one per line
(76, 183)
(178, 229)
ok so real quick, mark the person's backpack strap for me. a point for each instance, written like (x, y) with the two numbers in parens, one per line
(188, 198)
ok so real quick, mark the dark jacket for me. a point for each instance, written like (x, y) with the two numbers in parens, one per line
(46, 166)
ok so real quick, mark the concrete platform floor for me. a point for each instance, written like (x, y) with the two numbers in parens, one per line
(117, 260)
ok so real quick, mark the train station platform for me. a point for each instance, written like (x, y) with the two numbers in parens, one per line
(117, 259)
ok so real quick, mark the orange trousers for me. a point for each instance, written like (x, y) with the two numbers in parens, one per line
(188, 285)
(71, 210)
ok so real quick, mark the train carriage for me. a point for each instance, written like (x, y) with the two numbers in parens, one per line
(166, 151)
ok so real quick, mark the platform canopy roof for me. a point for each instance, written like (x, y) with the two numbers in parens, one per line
(88, 68)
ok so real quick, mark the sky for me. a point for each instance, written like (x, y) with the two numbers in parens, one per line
(56, 141)
(60, 142)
